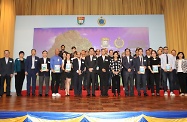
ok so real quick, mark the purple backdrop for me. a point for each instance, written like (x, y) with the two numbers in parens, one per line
(133, 37)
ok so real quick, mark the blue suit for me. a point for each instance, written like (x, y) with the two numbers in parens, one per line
(140, 77)
(31, 73)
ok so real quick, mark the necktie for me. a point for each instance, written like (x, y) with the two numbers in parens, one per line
(141, 61)
(166, 58)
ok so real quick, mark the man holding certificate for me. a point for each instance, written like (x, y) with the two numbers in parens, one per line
(44, 73)
(154, 67)
(140, 64)
(167, 66)
(56, 69)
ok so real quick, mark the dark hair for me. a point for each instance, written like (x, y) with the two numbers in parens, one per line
(62, 46)
(91, 48)
(103, 49)
(140, 49)
(21, 52)
(33, 49)
(127, 49)
(110, 50)
(155, 52)
(6, 50)
(115, 52)
(177, 57)
(166, 47)
(44, 51)
(73, 47)
(75, 53)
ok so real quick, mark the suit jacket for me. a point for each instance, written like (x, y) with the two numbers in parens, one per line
(41, 61)
(28, 64)
(6, 69)
(76, 65)
(91, 64)
(128, 65)
(137, 63)
(17, 65)
(103, 64)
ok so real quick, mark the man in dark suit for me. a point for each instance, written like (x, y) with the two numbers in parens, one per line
(6, 72)
(128, 70)
(103, 63)
(78, 69)
(147, 71)
(91, 64)
(62, 51)
(31, 70)
(44, 73)
(140, 73)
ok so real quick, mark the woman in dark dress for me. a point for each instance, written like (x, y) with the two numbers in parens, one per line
(67, 68)
(19, 69)
(154, 67)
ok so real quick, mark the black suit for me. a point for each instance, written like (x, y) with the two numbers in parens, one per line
(91, 75)
(137, 64)
(6, 69)
(148, 73)
(128, 63)
(61, 53)
(77, 77)
(44, 76)
(104, 64)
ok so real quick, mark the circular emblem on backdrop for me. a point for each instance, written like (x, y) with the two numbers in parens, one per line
(119, 43)
(101, 21)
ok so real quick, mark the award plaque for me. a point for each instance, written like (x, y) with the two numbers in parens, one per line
(68, 67)
(57, 68)
(142, 70)
(168, 67)
(155, 68)
(44, 67)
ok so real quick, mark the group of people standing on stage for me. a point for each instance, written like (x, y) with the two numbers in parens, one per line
(77, 69)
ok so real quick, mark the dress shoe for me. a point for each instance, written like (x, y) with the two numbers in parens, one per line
(114, 95)
(9, 95)
(28, 95)
(88, 95)
(40, 95)
(145, 94)
(93, 95)
(33, 95)
(132, 95)
(46, 95)
(139, 94)
(157, 94)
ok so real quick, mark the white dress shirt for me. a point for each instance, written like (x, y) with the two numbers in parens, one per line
(171, 61)
(33, 61)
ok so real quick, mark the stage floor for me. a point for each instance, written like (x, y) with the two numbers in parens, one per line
(92, 104)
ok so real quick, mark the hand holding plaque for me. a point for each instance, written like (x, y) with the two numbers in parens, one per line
(68, 67)
(57, 69)
(155, 68)
(44, 67)
(168, 67)
(142, 70)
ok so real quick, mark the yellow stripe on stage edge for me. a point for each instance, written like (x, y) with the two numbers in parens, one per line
(17, 119)
(154, 119)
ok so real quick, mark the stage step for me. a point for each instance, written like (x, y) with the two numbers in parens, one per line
(97, 92)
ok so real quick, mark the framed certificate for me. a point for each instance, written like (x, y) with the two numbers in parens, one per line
(57, 68)
(142, 70)
(155, 68)
(168, 67)
(68, 66)
(44, 67)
